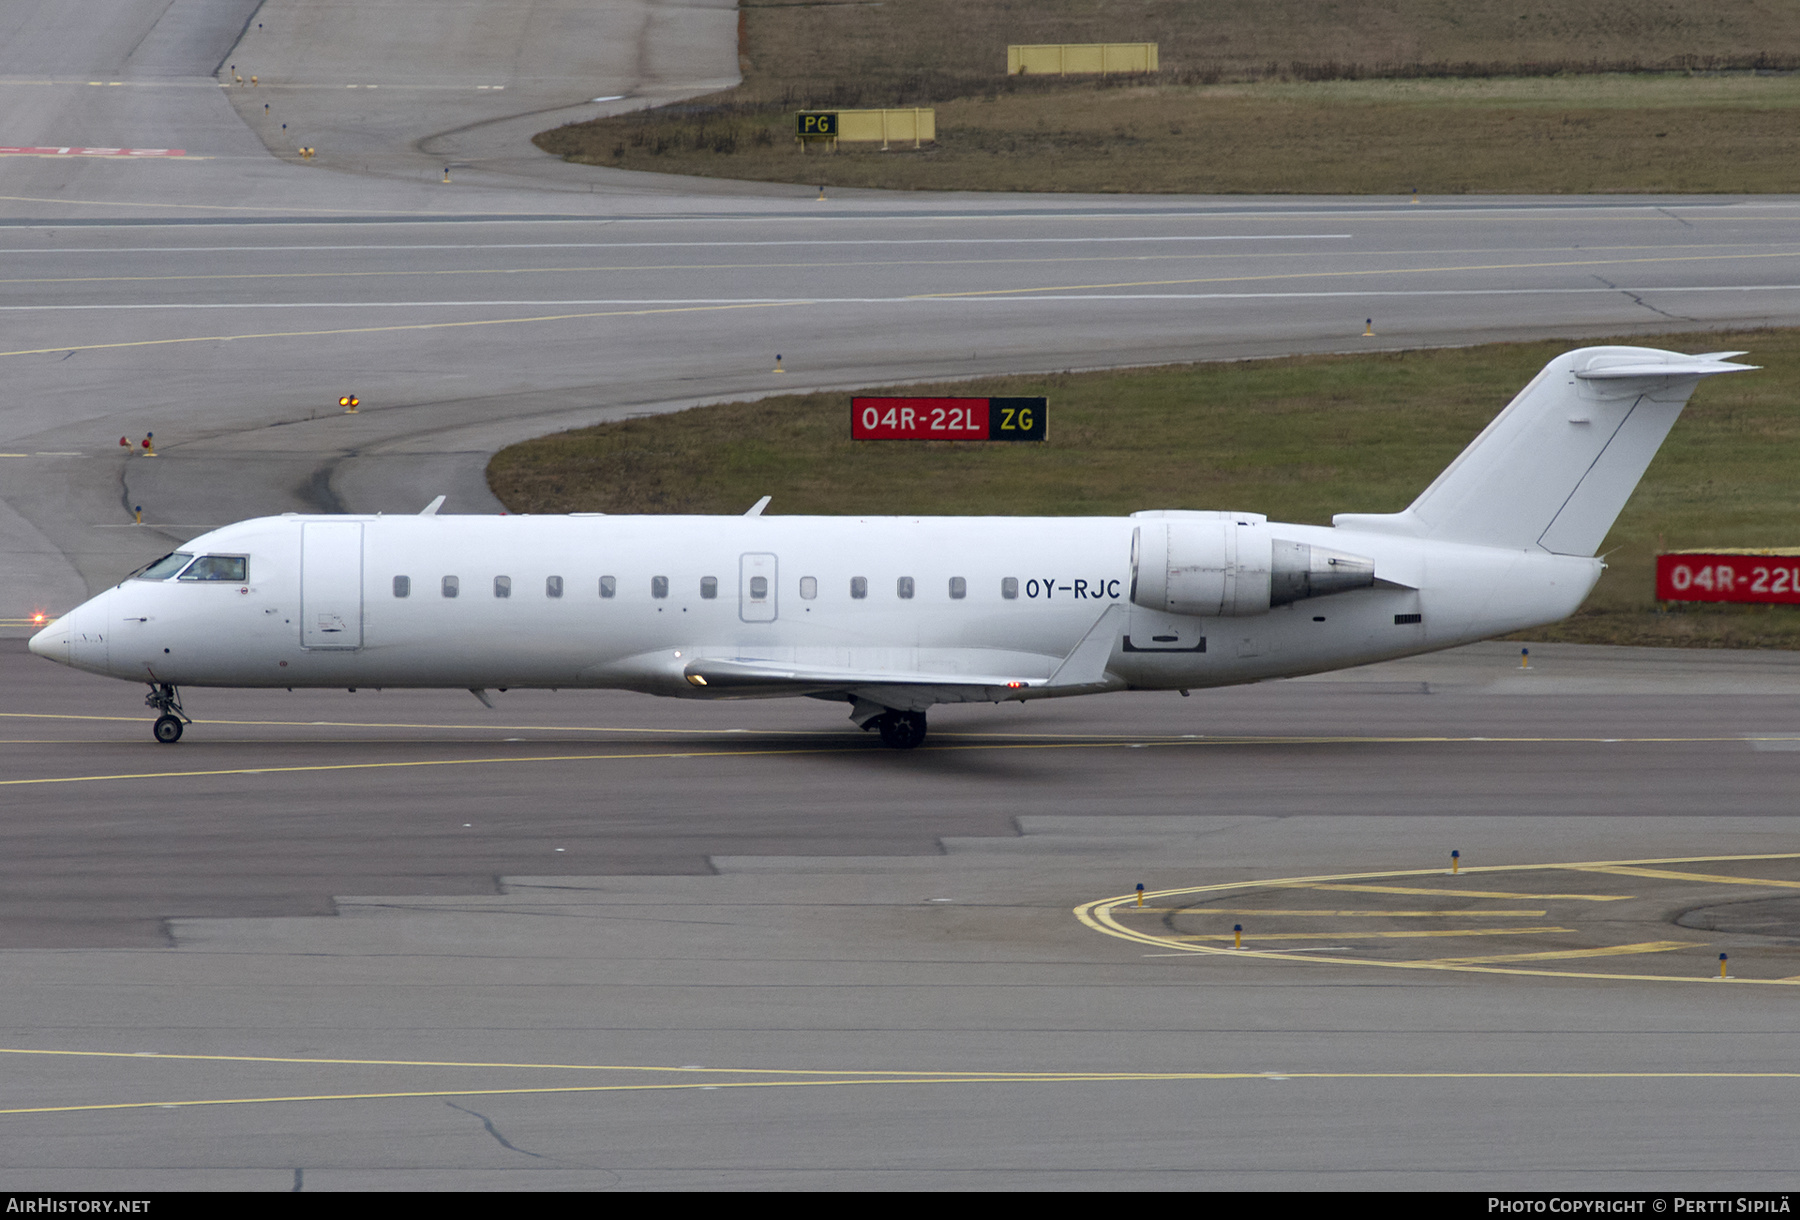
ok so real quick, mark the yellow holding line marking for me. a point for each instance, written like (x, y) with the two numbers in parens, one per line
(1101, 915)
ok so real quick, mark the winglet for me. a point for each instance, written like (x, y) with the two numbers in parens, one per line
(1086, 665)
(756, 508)
(430, 510)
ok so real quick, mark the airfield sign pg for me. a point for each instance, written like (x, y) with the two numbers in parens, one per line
(949, 419)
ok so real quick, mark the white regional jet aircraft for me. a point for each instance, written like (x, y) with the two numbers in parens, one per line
(894, 614)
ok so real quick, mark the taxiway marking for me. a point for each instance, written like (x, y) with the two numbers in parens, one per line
(1327, 275)
(765, 1078)
(1346, 914)
(369, 330)
(1707, 878)
(1033, 261)
(844, 744)
(1407, 934)
(1102, 915)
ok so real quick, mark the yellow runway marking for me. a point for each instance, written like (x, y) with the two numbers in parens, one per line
(1408, 934)
(1102, 915)
(1708, 878)
(1465, 914)
(371, 330)
(1648, 946)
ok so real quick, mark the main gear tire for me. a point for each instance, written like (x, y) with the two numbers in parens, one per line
(903, 730)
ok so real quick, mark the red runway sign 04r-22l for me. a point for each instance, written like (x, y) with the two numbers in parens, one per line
(949, 419)
(1729, 576)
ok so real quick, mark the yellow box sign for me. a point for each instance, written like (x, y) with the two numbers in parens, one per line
(914, 126)
(1071, 58)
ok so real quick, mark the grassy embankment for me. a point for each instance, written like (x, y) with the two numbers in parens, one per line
(1297, 438)
(1361, 97)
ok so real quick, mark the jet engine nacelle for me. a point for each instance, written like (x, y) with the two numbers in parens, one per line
(1228, 565)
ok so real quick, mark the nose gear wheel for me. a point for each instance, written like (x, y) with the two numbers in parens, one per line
(166, 699)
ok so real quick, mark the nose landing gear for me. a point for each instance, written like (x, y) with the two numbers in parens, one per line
(167, 700)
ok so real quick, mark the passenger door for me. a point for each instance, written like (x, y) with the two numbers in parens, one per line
(331, 571)
(756, 588)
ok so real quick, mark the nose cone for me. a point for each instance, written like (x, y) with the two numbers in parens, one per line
(52, 643)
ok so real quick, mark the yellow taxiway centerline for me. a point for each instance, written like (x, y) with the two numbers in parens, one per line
(1462, 914)
(1619, 870)
(1648, 946)
(1329, 275)
(371, 330)
(1404, 934)
(1011, 742)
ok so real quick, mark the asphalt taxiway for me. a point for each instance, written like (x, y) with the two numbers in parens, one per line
(398, 940)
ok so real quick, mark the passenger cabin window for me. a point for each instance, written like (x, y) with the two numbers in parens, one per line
(959, 588)
(552, 586)
(609, 585)
(502, 586)
(904, 586)
(1009, 588)
(759, 588)
(859, 586)
(166, 567)
(709, 587)
(452, 586)
(809, 587)
(402, 586)
(234, 568)
(659, 586)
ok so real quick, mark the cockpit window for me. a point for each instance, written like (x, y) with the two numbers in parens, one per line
(234, 568)
(166, 567)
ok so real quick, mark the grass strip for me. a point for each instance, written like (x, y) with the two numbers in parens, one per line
(1363, 97)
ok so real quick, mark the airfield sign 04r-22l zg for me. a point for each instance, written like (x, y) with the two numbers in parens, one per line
(894, 615)
(949, 419)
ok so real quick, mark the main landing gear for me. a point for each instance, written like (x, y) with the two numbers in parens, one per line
(901, 730)
(167, 700)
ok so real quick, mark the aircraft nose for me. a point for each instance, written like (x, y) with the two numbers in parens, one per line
(52, 643)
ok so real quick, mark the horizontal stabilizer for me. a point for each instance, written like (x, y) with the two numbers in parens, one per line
(1699, 366)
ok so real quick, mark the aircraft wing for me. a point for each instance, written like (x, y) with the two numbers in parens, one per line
(1084, 667)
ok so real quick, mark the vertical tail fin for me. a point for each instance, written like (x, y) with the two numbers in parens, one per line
(1555, 468)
